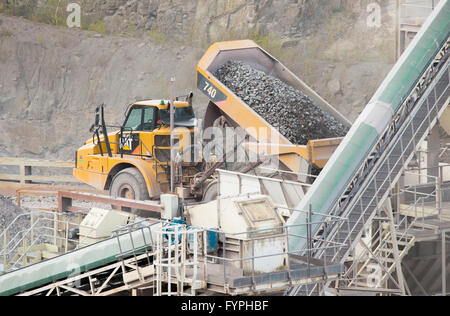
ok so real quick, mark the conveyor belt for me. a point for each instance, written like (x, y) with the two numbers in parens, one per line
(370, 160)
(73, 263)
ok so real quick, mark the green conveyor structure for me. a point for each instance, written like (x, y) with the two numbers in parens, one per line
(342, 188)
(73, 263)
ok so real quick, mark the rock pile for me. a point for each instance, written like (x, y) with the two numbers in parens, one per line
(8, 213)
(285, 108)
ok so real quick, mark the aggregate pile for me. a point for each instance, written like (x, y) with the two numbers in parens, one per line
(8, 213)
(291, 112)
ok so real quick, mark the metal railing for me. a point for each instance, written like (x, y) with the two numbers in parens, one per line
(408, 221)
(45, 228)
(376, 251)
(382, 168)
(25, 171)
(139, 256)
(178, 250)
(174, 248)
(405, 145)
(417, 9)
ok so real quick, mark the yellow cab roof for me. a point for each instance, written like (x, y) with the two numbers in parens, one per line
(162, 104)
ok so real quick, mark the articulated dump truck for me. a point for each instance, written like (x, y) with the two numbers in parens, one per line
(135, 162)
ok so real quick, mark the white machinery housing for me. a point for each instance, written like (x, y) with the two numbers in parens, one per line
(99, 225)
(253, 236)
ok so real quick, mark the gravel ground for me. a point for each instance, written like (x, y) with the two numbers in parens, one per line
(287, 109)
(8, 212)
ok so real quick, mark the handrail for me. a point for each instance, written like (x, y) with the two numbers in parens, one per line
(375, 196)
(380, 244)
(381, 241)
(38, 226)
(25, 174)
(23, 254)
(176, 230)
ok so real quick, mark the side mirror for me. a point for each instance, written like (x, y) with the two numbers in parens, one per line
(97, 116)
(96, 120)
(127, 110)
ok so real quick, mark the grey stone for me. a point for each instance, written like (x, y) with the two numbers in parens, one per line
(293, 113)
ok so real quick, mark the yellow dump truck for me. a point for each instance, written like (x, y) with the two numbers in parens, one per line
(135, 162)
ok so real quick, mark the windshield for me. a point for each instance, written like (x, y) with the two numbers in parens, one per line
(140, 118)
(182, 116)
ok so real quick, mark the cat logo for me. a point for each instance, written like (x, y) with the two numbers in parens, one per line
(129, 143)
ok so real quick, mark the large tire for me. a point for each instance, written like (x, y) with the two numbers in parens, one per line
(211, 192)
(129, 184)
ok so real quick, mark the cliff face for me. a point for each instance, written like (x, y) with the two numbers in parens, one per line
(52, 77)
(203, 21)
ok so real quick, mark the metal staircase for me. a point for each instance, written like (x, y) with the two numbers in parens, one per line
(383, 167)
(45, 235)
(389, 244)
(27, 246)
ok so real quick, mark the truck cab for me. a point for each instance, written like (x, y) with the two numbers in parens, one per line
(134, 161)
(146, 130)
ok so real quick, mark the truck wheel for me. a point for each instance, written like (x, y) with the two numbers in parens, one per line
(129, 184)
(211, 192)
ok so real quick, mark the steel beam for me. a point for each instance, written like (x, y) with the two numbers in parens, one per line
(65, 199)
(444, 265)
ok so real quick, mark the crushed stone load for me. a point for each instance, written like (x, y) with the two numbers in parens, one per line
(291, 112)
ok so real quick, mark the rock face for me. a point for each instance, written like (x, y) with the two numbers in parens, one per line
(53, 78)
(209, 20)
(285, 108)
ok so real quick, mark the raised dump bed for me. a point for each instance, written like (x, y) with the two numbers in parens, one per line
(224, 102)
